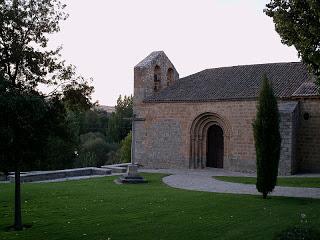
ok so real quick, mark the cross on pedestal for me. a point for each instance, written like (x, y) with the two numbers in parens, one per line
(133, 120)
(132, 175)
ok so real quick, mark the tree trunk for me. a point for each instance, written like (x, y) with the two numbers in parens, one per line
(265, 195)
(17, 203)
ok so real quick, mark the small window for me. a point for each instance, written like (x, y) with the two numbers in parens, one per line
(170, 76)
(157, 78)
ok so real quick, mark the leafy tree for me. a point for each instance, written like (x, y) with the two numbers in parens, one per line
(77, 95)
(95, 121)
(267, 139)
(297, 22)
(26, 64)
(93, 150)
(26, 120)
(79, 122)
(60, 152)
(119, 124)
(125, 149)
(24, 27)
(61, 142)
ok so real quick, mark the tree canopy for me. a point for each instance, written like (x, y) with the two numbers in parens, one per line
(27, 65)
(29, 117)
(26, 121)
(119, 124)
(24, 28)
(297, 22)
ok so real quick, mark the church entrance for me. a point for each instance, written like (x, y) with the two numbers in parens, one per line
(209, 141)
(215, 147)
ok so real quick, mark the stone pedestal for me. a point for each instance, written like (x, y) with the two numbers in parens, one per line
(132, 175)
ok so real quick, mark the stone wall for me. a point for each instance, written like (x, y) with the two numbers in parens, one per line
(289, 123)
(309, 136)
(163, 139)
(159, 143)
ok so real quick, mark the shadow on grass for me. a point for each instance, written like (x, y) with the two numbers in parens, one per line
(12, 229)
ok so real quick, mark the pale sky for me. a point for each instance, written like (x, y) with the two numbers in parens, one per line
(105, 39)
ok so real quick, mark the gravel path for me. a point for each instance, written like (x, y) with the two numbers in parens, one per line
(201, 180)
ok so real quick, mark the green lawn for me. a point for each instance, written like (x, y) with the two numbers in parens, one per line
(98, 209)
(311, 182)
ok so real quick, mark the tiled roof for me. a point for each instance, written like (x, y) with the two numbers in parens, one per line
(236, 83)
(307, 89)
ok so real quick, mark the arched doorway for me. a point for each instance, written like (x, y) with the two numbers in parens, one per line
(209, 141)
(215, 147)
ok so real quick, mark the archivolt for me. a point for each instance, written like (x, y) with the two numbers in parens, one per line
(198, 134)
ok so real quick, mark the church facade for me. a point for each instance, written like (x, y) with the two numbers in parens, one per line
(205, 119)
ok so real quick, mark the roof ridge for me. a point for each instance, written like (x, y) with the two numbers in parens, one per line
(243, 65)
(251, 65)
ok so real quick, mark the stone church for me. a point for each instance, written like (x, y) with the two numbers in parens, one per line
(205, 119)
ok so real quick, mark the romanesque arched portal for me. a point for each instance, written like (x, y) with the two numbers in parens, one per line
(209, 139)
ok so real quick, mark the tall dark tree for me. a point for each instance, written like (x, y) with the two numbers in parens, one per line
(267, 139)
(297, 22)
(27, 119)
(26, 63)
(119, 125)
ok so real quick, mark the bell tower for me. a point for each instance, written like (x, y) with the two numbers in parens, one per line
(153, 74)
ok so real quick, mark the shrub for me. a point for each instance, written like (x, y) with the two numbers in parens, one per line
(113, 157)
(86, 159)
(93, 150)
(59, 154)
(125, 149)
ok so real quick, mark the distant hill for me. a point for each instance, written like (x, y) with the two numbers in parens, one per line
(108, 109)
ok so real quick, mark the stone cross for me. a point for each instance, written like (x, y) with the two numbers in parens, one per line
(133, 120)
(132, 175)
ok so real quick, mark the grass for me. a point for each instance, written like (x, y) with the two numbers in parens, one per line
(311, 182)
(98, 209)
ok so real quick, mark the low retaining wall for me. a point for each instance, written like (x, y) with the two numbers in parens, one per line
(117, 168)
(51, 175)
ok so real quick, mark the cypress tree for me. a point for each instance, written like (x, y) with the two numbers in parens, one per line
(267, 139)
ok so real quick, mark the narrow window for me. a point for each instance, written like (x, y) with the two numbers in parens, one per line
(157, 78)
(170, 76)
